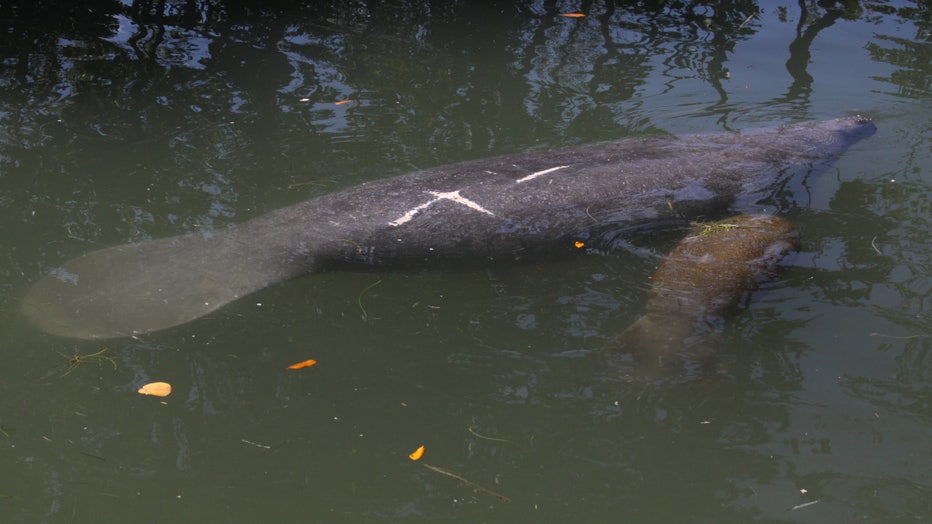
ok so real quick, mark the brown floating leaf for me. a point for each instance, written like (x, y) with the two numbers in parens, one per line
(305, 364)
(418, 453)
(158, 389)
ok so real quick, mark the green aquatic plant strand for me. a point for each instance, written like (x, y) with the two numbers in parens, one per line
(98, 357)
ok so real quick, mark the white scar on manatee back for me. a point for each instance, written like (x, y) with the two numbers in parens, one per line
(454, 196)
(532, 176)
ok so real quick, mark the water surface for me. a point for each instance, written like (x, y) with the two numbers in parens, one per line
(120, 124)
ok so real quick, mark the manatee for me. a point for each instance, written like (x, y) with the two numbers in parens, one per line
(707, 274)
(497, 210)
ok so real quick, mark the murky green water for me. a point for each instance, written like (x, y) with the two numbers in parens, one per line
(123, 127)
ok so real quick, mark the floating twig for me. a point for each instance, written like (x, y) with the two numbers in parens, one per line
(487, 438)
(251, 443)
(804, 505)
(594, 219)
(355, 244)
(294, 185)
(469, 483)
(93, 456)
(365, 315)
(901, 337)
(746, 20)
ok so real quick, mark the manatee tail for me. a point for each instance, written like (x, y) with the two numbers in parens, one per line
(138, 288)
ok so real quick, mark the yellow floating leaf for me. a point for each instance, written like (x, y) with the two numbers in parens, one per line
(304, 364)
(158, 389)
(418, 453)
(579, 245)
(572, 15)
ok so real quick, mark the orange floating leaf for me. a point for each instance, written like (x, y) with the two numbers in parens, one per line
(418, 453)
(579, 245)
(572, 15)
(305, 364)
(158, 389)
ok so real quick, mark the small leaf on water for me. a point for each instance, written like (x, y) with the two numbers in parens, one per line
(418, 453)
(158, 389)
(305, 364)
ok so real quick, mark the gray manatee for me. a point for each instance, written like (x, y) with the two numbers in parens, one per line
(502, 209)
(701, 279)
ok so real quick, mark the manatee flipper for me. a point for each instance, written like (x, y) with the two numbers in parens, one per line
(704, 276)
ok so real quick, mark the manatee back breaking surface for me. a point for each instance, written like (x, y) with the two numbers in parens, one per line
(707, 274)
(498, 209)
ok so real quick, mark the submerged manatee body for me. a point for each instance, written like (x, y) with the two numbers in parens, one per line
(491, 210)
(705, 275)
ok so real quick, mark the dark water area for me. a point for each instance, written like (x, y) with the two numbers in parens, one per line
(122, 122)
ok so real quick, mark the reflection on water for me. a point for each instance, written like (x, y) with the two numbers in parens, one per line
(122, 123)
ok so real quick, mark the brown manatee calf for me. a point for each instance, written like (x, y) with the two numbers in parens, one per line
(494, 210)
(700, 280)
